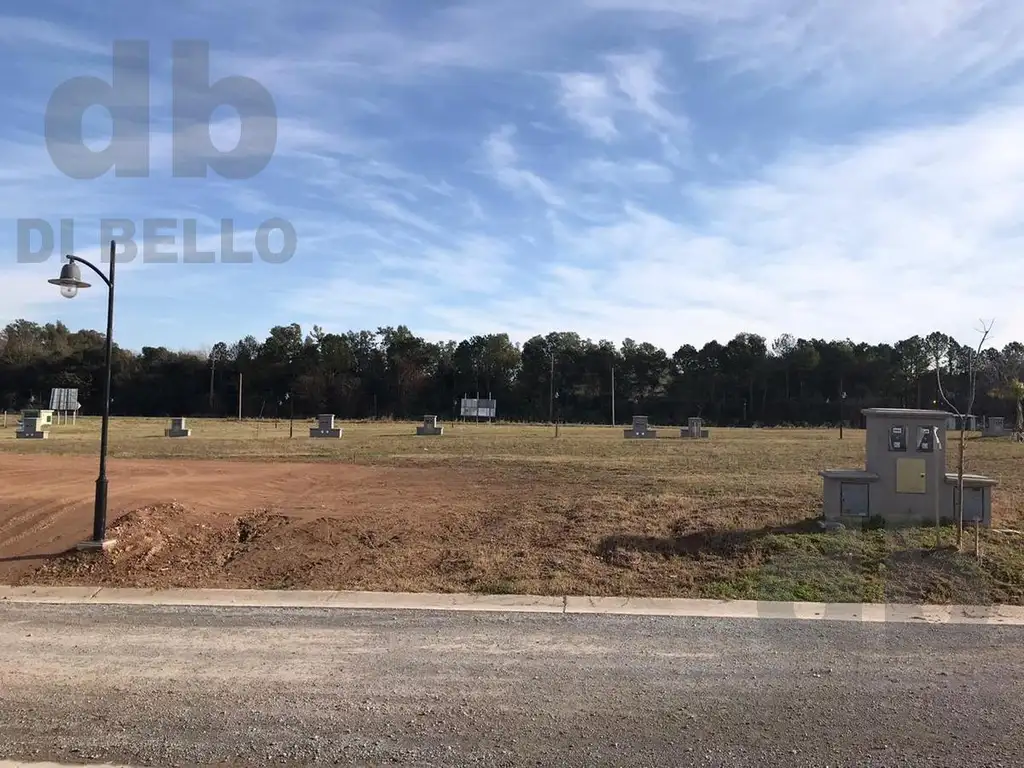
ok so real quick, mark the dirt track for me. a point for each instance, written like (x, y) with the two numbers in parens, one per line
(46, 501)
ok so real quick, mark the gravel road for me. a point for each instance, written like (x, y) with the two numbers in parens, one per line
(196, 686)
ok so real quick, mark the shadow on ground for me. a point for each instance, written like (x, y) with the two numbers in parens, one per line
(800, 561)
(40, 557)
(698, 543)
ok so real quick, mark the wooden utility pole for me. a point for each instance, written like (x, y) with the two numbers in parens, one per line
(239, 396)
(842, 398)
(551, 391)
(213, 366)
(613, 395)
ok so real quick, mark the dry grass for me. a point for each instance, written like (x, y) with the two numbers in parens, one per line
(587, 512)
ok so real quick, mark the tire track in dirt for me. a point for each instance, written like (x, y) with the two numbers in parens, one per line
(32, 524)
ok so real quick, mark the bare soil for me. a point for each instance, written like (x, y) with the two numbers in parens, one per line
(329, 525)
(186, 521)
(485, 509)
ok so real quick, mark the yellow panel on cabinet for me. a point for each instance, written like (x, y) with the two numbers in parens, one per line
(911, 476)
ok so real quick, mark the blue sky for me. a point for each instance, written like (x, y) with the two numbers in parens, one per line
(667, 170)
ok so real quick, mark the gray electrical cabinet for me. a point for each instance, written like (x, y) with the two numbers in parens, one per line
(974, 504)
(853, 499)
(904, 480)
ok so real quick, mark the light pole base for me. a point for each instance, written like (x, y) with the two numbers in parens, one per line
(94, 546)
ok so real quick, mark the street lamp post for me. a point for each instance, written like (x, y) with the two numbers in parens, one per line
(70, 281)
(289, 397)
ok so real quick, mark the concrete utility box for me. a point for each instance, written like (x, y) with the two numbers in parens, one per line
(639, 430)
(44, 418)
(325, 427)
(31, 429)
(905, 480)
(953, 422)
(995, 426)
(178, 428)
(694, 428)
(430, 427)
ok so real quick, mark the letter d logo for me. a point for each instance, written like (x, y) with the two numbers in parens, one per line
(127, 101)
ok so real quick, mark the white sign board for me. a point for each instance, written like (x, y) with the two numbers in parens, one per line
(65, 399)
(479, 408)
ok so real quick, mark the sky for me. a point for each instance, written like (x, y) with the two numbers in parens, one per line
(671, 171)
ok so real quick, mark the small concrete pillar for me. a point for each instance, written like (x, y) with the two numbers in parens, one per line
(31, 429)
(995, 426)
(325, 427)
(694, 429)
(640, 430)
(430, 426)
(178, 428)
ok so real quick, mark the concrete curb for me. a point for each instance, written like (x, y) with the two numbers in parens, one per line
(629, 606)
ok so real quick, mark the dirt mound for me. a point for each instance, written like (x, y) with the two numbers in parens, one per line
(172, 545)
(161, 545)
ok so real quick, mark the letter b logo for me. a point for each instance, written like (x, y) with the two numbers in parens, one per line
(193, 102)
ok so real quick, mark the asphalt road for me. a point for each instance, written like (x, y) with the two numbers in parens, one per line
(195, 686)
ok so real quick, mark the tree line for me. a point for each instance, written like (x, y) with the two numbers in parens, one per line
(392, 373)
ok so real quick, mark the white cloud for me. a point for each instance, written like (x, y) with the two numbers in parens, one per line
(896, 233)
(846, 50)
(623, 173)
(630, 84)
(624, 102)
(397, 280)
(401, 214)
(503, 160)
(587, 99)
(32, 33)
(359, 43)
(637, 77)
(831, 225)
(893, 235)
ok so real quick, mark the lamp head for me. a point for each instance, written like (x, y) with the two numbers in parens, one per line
(70, 280)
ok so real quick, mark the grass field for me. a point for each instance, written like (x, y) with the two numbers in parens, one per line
(490, 508)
